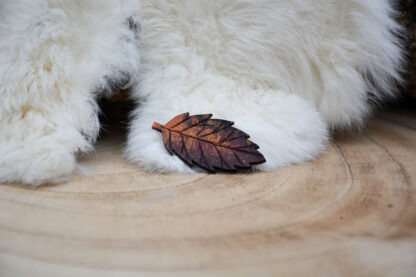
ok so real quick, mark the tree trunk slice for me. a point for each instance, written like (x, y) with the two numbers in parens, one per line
(351, 212)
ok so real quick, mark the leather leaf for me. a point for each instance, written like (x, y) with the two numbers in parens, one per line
(212, 144)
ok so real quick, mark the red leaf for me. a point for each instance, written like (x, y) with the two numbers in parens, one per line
(212, 144)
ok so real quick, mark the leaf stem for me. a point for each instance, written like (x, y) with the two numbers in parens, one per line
(157, 126)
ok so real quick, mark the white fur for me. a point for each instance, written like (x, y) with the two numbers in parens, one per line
(54, 56)
(284, 71)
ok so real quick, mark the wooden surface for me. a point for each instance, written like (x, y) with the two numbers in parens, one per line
(351, 212)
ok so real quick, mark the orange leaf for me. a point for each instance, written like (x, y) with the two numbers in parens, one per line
(212, 144)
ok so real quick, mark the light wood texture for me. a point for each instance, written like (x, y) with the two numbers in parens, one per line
(351, 212)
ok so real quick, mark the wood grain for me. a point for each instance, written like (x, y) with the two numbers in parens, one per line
(351, 212)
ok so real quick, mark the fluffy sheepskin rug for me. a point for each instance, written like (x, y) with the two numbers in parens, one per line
(286, 72)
